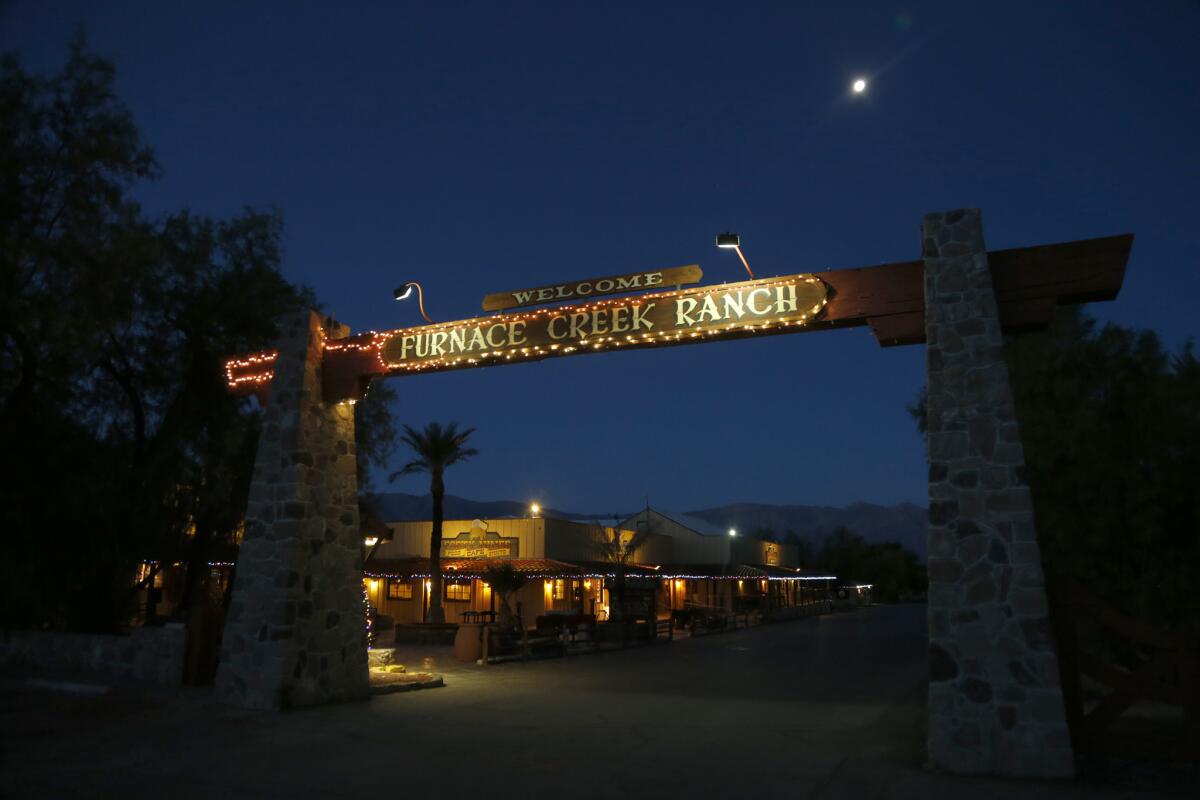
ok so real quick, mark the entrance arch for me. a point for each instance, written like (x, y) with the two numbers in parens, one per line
(293, 635)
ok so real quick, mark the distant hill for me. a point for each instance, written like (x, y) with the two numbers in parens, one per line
(397, 506)
(904, 523)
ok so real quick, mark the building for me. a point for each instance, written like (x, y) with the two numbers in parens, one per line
(663, 565)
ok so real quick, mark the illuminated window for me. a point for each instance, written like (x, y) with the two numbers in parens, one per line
(399, 590)
(459, 591)
(560, 589)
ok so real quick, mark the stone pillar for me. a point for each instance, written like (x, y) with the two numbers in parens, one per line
(995, 704)
(295, 633)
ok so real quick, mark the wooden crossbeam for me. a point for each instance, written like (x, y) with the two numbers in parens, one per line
(889, 299)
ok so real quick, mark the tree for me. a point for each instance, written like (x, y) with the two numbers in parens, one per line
(437, 448)
(505, 582)
(374, 440)
(617, 548)
(892, 570)
(1110, 423)
(112, 330)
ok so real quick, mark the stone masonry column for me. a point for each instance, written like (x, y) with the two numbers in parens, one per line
(295, 631)
(995, 704)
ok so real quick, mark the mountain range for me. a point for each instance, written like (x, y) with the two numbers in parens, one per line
(904, 523)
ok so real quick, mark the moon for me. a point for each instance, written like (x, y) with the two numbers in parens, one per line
(859, 86)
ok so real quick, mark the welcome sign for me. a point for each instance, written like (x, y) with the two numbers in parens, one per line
(674, 317)
(614, 284)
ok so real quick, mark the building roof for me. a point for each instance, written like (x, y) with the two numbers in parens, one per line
(695, 524)
(550, 568)
(711, 571)
(467, 567)
(608, 569)
(741, 571)
(795, 574)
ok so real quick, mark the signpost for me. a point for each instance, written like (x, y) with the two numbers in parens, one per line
(957, 298)
(625, 322)
(889, 298)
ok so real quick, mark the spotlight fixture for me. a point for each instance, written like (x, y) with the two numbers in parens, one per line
(404, 291)
(732, 241)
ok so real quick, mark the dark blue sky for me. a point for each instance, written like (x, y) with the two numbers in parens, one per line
(483, 147)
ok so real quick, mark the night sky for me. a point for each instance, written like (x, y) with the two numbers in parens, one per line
(485, 147)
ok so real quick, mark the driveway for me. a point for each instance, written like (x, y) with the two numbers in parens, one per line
(827, 707)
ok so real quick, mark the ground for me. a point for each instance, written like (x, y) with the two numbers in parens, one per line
(826, 707)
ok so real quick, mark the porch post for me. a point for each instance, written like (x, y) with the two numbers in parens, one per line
(295, 633)
(995, 704)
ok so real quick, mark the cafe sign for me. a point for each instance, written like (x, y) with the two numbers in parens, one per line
(480, 544)
(662, 318)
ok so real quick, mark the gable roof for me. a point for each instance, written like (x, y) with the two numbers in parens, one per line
(695, 524)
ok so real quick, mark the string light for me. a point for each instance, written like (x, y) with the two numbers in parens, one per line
(370, 621)
(596, 575)
(253, 371)
(598, 341)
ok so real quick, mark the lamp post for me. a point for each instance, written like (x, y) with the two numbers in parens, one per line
(534, 510)
(404, 291)
(732, 241)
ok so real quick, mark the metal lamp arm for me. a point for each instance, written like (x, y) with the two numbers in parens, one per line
(745, 263)
(420, 300)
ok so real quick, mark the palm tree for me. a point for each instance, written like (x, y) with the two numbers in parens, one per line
(616, 549)
(505, 582)
(436, 447)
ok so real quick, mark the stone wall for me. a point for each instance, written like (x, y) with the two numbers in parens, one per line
(295, 632)
(147, 655)
(995, 705)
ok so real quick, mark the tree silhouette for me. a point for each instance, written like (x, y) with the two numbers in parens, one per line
(437, 448)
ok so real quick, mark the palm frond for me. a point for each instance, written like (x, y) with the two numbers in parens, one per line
(419, 465)
(437, 446)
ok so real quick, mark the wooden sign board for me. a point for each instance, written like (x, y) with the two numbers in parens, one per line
(890, 298)
(673, 317)
(477, 545)
(614, 284)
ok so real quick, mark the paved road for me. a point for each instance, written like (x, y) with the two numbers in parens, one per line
(830, 707)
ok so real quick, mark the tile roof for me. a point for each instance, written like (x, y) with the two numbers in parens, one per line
(465, 567)
(608, 568)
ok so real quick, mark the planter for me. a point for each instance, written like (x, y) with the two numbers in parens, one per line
(468, 642)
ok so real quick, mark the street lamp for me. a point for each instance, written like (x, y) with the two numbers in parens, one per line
(732, 241)
(534, 509)
(733, 531)
(405, 290)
